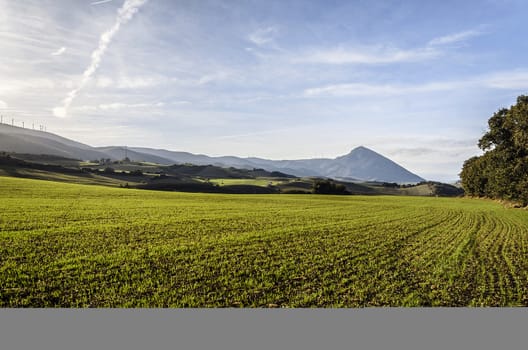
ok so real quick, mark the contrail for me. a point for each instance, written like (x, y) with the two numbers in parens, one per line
(124, 14)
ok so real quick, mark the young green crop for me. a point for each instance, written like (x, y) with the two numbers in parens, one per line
(89, 246)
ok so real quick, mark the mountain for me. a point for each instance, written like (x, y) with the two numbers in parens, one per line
(361, 164)
(118, 152)
(20, 140)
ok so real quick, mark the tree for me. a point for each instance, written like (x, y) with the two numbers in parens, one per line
(473, 178)
(328, 187)
(502, 171)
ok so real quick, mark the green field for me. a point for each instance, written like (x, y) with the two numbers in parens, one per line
(90, 246)
(255, 182)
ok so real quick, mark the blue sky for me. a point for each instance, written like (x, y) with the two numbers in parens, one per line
(414, 80)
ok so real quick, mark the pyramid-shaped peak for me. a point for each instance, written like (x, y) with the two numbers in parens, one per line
(361, 153)
(366, 164)
(361, 148)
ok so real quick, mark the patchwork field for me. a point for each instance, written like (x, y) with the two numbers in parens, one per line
(89, 246)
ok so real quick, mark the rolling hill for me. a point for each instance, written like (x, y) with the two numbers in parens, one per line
(20, 140)
(361, 164)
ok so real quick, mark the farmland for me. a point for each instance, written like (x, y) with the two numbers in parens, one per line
(75, 245)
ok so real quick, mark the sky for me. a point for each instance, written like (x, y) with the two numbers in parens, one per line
(413, 80)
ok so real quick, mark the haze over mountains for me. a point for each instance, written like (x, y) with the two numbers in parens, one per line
(361, 164)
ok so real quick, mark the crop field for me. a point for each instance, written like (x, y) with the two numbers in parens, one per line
(255, 182)
(75, 245)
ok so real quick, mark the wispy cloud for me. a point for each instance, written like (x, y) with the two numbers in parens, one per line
(256, 133)
(154, 80)
(382, 54)
(124, 14)
(264, 36)
(367, 55)
(118, 106)
(362, 89)
(455, 38)
(505, 80)
(100, 2)
(13, 86)
(59, 51)
(132, 82)
(213, 77)
(511, 80)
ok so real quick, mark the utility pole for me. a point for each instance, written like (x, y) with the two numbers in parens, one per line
(23, 127)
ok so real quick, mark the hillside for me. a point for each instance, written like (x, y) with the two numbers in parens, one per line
(116, 153)
(179, 177)
(365, 164)
(20, 140)
(27, 141)
(361, 164)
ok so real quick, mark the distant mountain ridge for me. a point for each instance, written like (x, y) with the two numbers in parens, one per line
(361, 164)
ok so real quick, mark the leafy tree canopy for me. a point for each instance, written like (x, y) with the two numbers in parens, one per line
(502, 171)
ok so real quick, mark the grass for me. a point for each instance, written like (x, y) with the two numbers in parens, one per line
(89, 246)
(75, 178)
(256, 182)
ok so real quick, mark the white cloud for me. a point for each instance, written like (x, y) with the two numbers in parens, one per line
(124, 14)
(104, 82)
(60, 112)
(361, 89)
(13, 86)
(118, 106)
(517, 79)
(367, 55)
(139, 82)
(383, 54)
(100, 2)
(208, 78)
(179, 103)
(358, 89)
(416, 151)
(507, 80)
(3, 105)
(59, 51)
(133, 82)
(455, 38)
(263, 36)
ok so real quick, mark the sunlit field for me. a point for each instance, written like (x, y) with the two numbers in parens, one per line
(88, 246)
